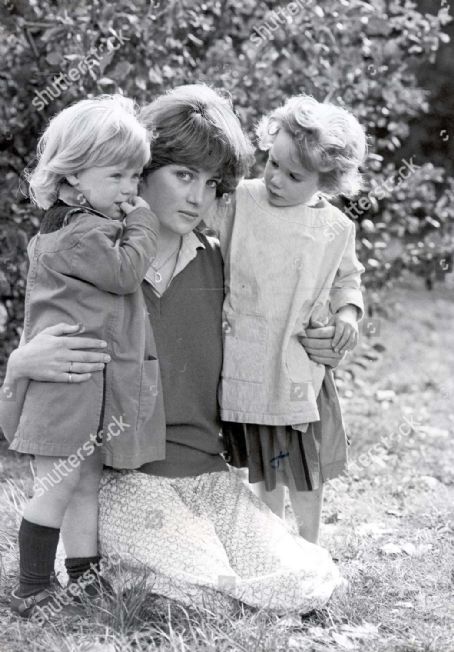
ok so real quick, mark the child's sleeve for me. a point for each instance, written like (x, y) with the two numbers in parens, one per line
(347, 284)
(113, 257)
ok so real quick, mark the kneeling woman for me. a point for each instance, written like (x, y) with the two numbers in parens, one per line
(189, 518)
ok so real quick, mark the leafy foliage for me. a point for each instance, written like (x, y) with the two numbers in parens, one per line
(363, 54)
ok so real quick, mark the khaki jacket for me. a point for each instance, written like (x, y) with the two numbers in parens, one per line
(90, 272)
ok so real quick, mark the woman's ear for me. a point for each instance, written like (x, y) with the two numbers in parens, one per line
(72, 179)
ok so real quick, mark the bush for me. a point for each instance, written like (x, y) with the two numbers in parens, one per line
(353, 52)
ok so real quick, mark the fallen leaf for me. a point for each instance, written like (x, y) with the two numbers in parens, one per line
(422, 549)
(409, 548)
(366, 630)
(391, 549)
(430, 481)
(393, 512)
(316, 631)
(344, 642)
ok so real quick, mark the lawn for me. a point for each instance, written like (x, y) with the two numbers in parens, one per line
(389, 524)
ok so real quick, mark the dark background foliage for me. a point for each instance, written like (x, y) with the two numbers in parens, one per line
(390, 62)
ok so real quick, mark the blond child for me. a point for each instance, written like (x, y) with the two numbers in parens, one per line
(290, 263)
(94, 246)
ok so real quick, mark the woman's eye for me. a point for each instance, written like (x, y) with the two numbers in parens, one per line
(213, 183)
(184, 175)
(273, 163)
(293, 178)
(116, 176)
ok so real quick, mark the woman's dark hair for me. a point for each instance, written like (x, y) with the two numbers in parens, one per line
(193, 125)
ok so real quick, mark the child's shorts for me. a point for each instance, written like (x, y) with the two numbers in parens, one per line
(318, 453)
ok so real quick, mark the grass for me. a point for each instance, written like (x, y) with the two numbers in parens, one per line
(389, 525)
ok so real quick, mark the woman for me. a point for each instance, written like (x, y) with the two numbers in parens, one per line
(187, 518)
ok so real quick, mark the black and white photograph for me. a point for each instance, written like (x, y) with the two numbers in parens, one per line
(226, 326)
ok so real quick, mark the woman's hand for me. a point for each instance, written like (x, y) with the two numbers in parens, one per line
(57, 355)
(318, 344)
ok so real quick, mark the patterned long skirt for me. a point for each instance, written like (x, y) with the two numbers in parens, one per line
(209, 536)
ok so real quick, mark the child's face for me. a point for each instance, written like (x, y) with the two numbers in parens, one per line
(287, 182)
(105, 188)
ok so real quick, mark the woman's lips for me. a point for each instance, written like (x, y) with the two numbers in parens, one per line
(189, 215)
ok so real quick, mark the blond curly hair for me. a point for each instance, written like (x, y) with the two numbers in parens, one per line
(329, 140)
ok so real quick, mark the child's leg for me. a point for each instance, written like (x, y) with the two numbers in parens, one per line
(80, 529)
(275, 499)
(55, 483)
(40, 527)
(307, 507)
(80, 525)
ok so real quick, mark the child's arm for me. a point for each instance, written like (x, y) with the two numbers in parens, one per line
(346, 329)
(346, 297)
(115, 264)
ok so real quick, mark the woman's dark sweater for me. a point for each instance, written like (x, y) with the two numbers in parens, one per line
(187, 325)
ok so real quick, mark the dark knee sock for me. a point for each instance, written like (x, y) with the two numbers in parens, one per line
(37, 549)
(77, 566)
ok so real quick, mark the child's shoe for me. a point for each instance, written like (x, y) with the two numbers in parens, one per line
(93, 588)
(25, 606)
(54, 597)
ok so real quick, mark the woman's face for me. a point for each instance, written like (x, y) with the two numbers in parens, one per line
(180, 195)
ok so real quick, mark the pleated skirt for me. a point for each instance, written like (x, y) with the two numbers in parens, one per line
(273, 454)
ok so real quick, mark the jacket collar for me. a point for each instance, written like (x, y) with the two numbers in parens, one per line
(72, 197)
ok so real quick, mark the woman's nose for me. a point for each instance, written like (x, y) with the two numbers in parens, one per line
(195, 194)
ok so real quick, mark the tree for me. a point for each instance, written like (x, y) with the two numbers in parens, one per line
(353, 52)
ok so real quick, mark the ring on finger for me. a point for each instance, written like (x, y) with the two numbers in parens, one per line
(70, 378)
(70, 366)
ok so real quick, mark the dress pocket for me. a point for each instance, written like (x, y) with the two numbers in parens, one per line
(149, 388)
(245, 347)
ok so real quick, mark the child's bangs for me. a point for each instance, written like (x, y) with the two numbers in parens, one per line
(125, 147)
(308, 155)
